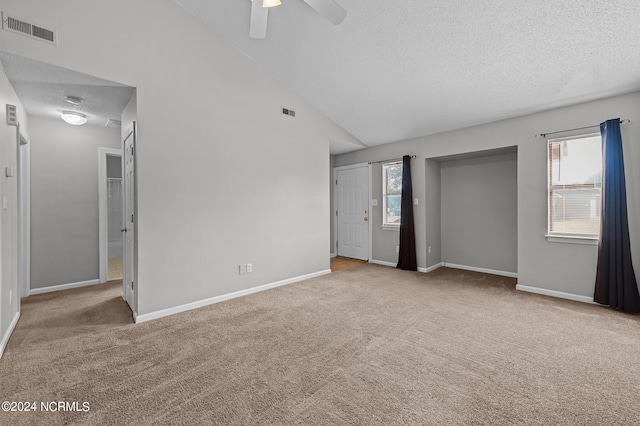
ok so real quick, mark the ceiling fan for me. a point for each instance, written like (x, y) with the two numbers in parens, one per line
(260, 12)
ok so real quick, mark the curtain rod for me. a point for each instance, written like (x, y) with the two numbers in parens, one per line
(392, 159)
(544, 135)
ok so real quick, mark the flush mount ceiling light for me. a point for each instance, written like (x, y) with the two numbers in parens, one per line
(74, 118)
(271, 3)
(73, 100)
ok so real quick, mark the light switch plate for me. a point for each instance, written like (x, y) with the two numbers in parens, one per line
(12, 116)
(374, 202)
(415, 201)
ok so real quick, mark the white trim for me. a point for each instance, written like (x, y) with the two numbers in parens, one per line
(370, 214)
(24, 213)
(383, 263)
(554, 293)
(420, 269)
(62, 287)
(431, 268)
(572, 239)
(483, 270)
(332, 255)
(351, 166)
(103, 240)
(5, 338)
(391, 227)
(217, 299)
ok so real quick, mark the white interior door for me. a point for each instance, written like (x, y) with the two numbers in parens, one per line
(353, 212)
(128, 283)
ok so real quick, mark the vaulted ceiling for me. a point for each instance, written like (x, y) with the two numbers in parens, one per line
(394, 70)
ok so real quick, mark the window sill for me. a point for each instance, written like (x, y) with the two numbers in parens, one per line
(570, 239)
(391, 227)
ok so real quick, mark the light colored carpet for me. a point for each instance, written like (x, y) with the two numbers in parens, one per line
(366, 345)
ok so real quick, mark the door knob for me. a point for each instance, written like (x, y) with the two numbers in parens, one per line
(366, 219)
(123, 230)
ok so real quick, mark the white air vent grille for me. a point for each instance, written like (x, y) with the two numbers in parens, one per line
(114, 124)
(20, 26)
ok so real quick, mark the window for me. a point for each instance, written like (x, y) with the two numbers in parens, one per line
(575, 186)
(391, 194)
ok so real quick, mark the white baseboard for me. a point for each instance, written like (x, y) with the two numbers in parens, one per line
(393, 265)
(483, 270)
(554, 293)
(5, 338)
(217, 299)
(431, 268)
(332, 255)
(451, 265)
(383, 263)
(62, 287)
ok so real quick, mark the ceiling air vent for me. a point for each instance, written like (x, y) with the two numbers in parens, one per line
(114, 124)
(20, 26)
(287, 111)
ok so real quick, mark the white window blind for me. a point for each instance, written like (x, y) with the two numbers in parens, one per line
(575, 186)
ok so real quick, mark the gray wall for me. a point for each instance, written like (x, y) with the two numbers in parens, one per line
(223, 177)
(64, 200)
(556, 266)
(114, 166)
(479, 212)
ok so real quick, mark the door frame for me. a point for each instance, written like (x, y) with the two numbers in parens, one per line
(24, 213)
(103, 214)
(335, 205)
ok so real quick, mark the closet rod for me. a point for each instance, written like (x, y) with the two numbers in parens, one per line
(544, 135)
(389, 161)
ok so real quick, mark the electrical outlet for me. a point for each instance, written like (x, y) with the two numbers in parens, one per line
(429, 250)
(397, 249)
(249, 268)
(374, 202)
(415, 201)
(242, 269)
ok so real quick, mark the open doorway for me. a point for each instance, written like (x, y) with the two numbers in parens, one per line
(110, 198)
(68, 239)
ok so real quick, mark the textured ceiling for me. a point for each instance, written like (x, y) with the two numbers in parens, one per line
(395, 70)
(42, 89)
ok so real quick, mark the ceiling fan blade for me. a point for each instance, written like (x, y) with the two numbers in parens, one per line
(329, 9)
(258, 24)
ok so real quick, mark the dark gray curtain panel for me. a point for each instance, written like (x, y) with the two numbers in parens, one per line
(407, 255)
(616, 283)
